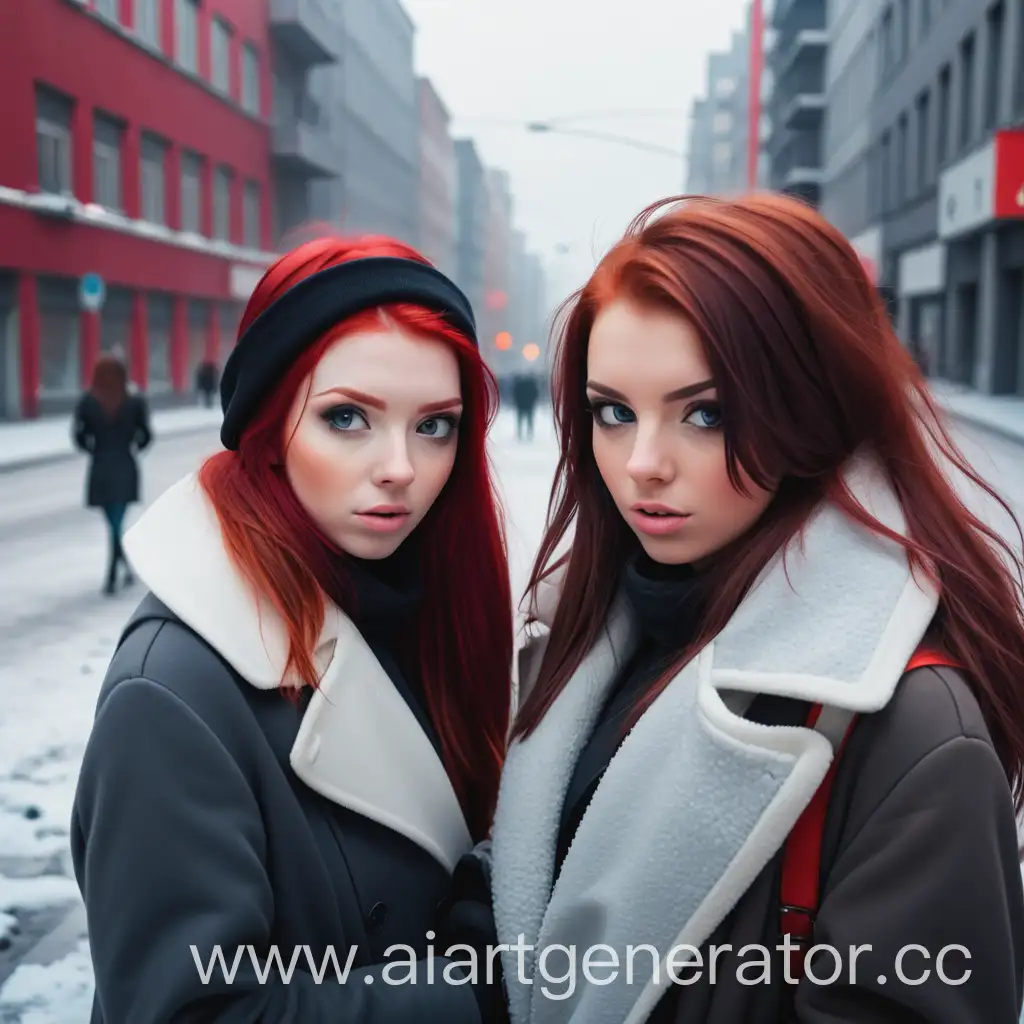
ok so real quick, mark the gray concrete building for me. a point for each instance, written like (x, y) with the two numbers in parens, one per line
(717, 144)
(372, 97)
(795, 62)
(472, 214)
(307, 143)
(851, 71)
(947, 180)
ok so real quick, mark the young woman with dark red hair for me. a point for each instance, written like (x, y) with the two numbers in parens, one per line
(300, 735)
(767, 544)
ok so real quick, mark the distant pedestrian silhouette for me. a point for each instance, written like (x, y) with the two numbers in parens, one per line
(206, 381)
(525, 393)
(111, 425)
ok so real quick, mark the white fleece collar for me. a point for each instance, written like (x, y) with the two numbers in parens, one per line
(697, 800)
(358, 744)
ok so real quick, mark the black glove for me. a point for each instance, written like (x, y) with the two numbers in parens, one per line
(468, 920)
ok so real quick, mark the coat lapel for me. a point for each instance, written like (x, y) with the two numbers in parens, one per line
(533, 787)
(359, 744)
(697, 800)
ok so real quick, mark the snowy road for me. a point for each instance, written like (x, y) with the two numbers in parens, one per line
(56, 634)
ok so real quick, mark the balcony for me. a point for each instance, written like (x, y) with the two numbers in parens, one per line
(789, 15)
(306, 30)
(804, 112)
(305, 150)
(803, 177)
(804, 43)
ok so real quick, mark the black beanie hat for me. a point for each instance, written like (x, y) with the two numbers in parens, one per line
(275, 339)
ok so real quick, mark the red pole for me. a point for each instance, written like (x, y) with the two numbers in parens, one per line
(754, 104)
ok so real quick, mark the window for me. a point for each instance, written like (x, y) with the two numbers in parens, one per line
(721, 154)
(198, 330)
(251, 215)
(59, 347)
(966, 91)
(192, 193)
(885, 161)
(186, 34)
(721, 124)
(725, 86)
(147, 21)
(994, 64)
(923, 108)
(901, 170)
(109, 9)
(106, 162)
(154, 180)
(220, 55)
(1018, 102)
(53, 141)
(943, 115)
(222, 204)
(250, 79)
(886, 43)
(159, 316)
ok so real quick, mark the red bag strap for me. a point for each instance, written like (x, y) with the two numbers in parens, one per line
(801, 858)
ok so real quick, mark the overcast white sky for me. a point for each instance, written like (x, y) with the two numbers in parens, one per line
(496, 61)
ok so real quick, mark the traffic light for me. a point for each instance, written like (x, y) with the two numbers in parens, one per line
(503, 341)
(531, 352)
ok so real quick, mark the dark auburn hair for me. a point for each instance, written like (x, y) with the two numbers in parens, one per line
(464, 631)
(809, 371)
(109, 384)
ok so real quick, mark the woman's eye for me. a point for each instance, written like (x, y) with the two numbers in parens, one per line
(345, 418)
(610, 414)
(706, 417)
(439, 427)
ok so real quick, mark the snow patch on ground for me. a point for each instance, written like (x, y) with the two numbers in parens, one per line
(59, 993)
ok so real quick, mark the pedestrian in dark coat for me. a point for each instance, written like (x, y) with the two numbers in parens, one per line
(112, 426)
(525, 394)
(299, 736)
(764, 534)
(206, 381)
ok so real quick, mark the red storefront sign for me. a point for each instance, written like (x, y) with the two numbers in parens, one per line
(987, 185)
(1009, 190)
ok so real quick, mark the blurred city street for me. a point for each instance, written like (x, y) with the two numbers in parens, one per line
(56, 636)
(159, 156)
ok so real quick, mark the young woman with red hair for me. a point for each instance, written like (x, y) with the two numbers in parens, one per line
(300, 735)
(767, 544)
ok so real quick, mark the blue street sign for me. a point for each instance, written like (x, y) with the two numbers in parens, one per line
(92, 291)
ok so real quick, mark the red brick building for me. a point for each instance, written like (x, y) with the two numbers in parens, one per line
(136, 146)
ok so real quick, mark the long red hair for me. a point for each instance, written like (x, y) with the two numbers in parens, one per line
(464, 631)
(809, 371)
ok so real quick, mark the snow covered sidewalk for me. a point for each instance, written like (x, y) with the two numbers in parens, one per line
(30, 442)
(1001, 414)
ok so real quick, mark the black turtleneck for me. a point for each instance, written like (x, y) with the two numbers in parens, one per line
(382, 599)
(665, 601)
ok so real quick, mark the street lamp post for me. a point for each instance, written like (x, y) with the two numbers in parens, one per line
(549, 127)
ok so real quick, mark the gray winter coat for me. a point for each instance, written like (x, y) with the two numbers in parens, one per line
(680, 847)
(214, 811)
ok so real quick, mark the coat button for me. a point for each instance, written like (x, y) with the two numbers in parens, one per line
(377, 916)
